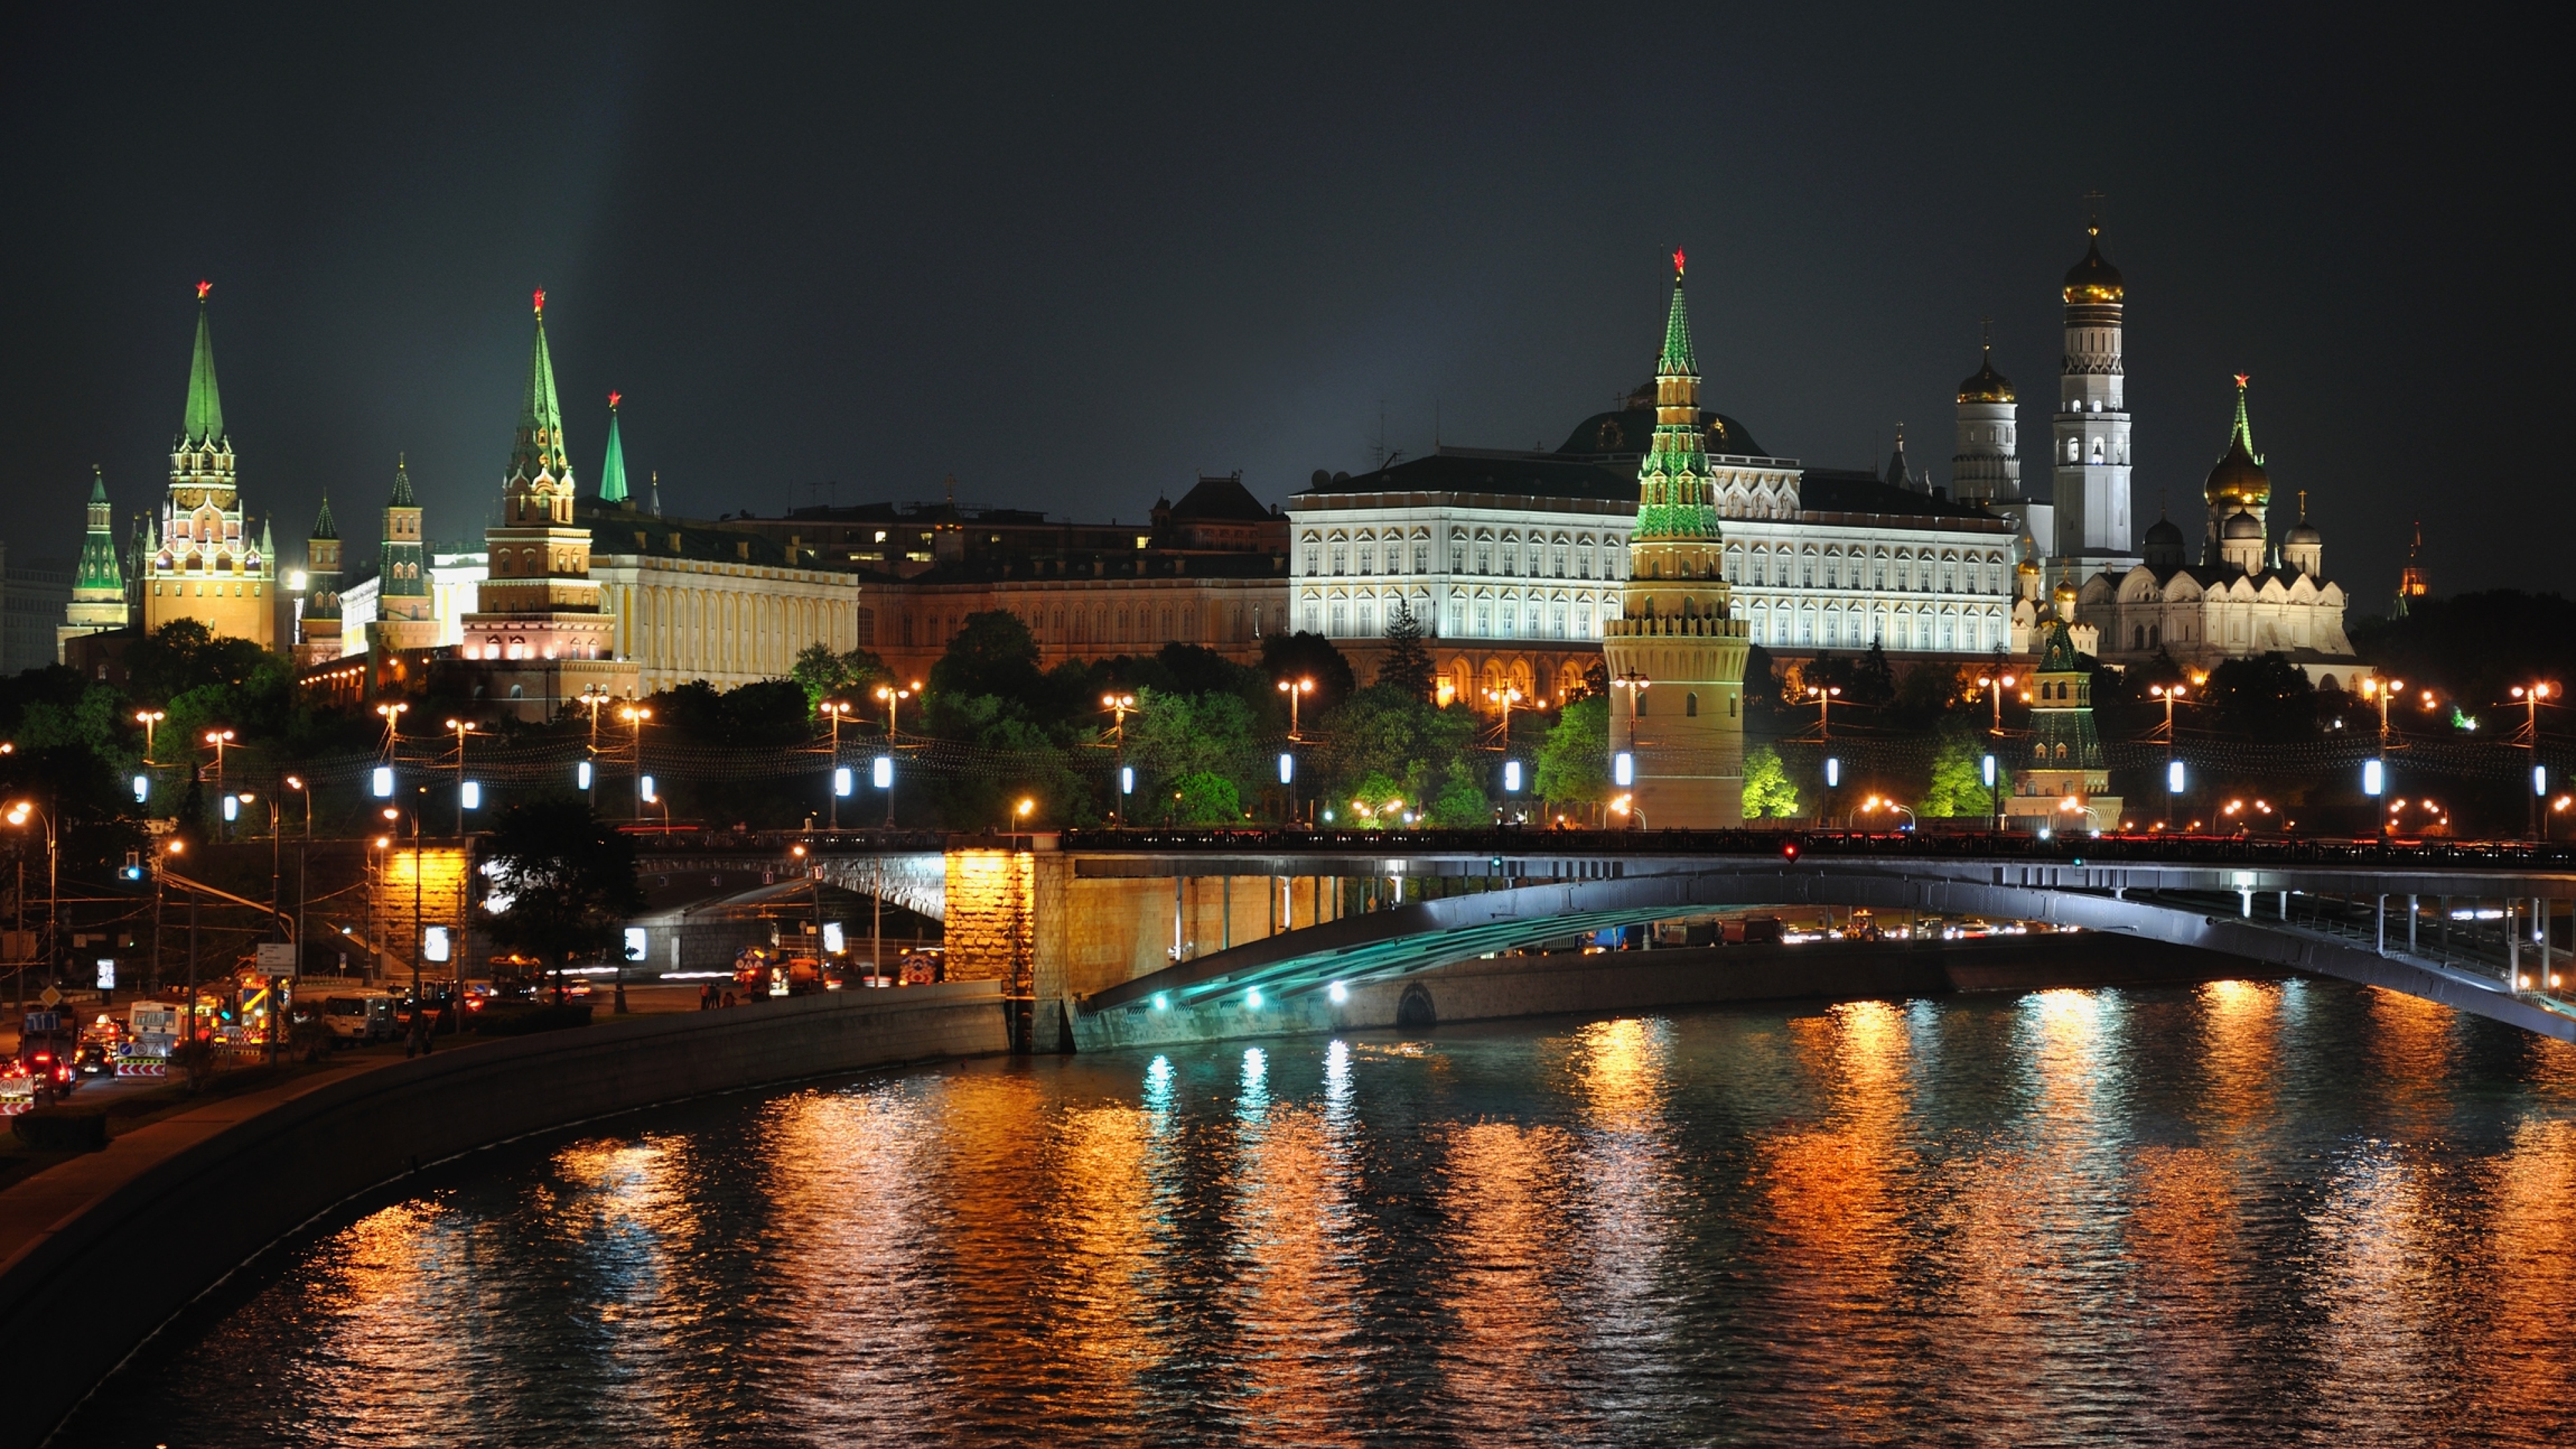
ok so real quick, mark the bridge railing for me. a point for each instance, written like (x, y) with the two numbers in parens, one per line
(1924, 844)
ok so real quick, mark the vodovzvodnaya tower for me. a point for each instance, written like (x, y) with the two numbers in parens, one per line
(1676, 654)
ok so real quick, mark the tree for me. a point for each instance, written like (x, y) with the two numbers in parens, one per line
(1205, 799)
(1958, 787)
(993, 653)
(569, 880)
(2265, 698)
(1767, 790)
(823, 674)
(1574, 761)
(1407, 665)
(1170, 736)
(1461, 803)
(1373, 802)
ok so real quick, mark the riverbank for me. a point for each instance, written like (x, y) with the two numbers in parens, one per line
(1501, 988)
(171, 1208)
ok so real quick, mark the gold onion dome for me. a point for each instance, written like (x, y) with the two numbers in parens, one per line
(2239, 477)
(1987, 385)
(2093, 279)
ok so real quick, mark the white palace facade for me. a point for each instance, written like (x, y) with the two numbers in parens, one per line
(1513, 561)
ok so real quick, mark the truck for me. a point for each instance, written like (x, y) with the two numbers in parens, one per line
(152, 1029)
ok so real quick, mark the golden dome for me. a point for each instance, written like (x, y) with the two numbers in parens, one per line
(1987, 386)
(2094, 280)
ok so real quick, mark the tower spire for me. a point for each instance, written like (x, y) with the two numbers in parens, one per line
(538, 449)
(2242, 435)
(612, 468)
(202, 425)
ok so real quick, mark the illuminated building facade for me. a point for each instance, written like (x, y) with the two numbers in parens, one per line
(2091, 458)
(98, 586)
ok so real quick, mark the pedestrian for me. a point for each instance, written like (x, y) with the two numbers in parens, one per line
(728, 999)
(418, 1042)
(706, 995)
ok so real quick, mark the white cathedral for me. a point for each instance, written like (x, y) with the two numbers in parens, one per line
(2242, 598)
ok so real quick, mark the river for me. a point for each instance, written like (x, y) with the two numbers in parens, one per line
(2244, 1212)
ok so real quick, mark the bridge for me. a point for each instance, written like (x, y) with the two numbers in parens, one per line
(1129, 936)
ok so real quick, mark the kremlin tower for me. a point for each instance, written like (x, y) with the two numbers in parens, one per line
(201, 562)
(1676, 654)
(2092, 425)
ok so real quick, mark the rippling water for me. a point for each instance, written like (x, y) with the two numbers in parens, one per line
(2276, 1212)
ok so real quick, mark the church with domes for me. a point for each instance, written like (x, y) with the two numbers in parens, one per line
(2243, 597)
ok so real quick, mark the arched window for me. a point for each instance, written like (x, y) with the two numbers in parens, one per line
(1690, 705)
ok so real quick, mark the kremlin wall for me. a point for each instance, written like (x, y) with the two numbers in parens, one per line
(1660, 542)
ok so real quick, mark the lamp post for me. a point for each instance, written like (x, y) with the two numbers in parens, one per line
(1295, 689)
(2169, 694)
(462, 728)
(592, 697)
(1505, 697)
(834, 711)
(148, 718)
(1824, 695)
(1995, 685)
(2531, 696)
(1634, 684)
(1119, 707)
(635, 716)
(218, 739)
(1880, 802)
(18, 815)
(296, 784)
(894, 698)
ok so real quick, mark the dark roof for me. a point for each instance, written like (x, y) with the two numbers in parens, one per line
(1846, 490)
(932, 512)
(1218, 499)
(1627, 433)
(1531, 475)
(613, 528)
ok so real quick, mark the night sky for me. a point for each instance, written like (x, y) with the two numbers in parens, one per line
(1074, 256)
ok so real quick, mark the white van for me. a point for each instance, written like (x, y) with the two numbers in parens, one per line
(359, 1017)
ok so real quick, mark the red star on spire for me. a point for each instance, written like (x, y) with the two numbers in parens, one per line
(541, 301)
(2242, 379)
(203, 288)
(1677, 261)
(612, 400)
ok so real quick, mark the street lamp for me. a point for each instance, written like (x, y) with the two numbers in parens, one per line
(1119, 707)
(836, 710)
(894, 699)
(2173, 767)
(219, 739)
(1995, 685)
(1824, 695)
(19, 812)
(462, 728)
(2531, 696)
(592, 697)
(1880, 802)
(635, 715)
(1507, 696)
(148, 718)
(1295, 690)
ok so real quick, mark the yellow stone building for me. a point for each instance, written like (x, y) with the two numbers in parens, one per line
(201, 561)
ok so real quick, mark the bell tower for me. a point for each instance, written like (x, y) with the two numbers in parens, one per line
(1676, 654)
(2091, 457)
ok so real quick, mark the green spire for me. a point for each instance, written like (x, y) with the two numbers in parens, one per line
(612, 469)
(323, 527)
(1676, 360)
(2242, 436)
(98, 568)
(204, 422)
(1673, 498)
(267, 540)
(402, 486)
(539, 447)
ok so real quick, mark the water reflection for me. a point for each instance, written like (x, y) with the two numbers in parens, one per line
(2243, 1212)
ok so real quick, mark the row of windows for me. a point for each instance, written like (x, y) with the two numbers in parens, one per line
(2117, 454)
(1508, 554)
(1485, 618)
(1902, 571)
(1839, 629)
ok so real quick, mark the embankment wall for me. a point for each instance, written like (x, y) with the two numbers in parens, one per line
(131, 1249)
